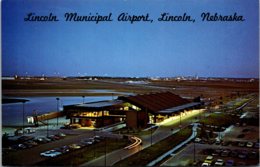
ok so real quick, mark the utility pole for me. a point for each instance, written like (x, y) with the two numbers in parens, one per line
(57, 110)
(105, 151)
(23, 116)
(83, 98)
(47, 126)
(94, 145)
(180, 120)
(194, 150)
(151, 137)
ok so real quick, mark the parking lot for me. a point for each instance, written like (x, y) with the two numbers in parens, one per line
(240, 155)
(236, 145)
(32, 149)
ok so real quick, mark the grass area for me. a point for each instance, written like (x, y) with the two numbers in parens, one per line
(220, 119)
(136, 132)
(147, 155)
(86, 154)
(240, 103)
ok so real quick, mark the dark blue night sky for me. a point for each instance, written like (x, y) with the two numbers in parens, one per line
(165, 49)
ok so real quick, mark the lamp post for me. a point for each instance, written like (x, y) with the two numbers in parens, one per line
(94, 145)
(57, 110)
(105, 151)
(47, 125)
(180, 119)
(194, 150)
(83, 99)
(151, 137)
(23, 115)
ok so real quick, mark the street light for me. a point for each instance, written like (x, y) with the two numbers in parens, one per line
(180, 119)
(105, 151)
(23, 115)
(83, 98)
(151, 137)
(47, 125)
(57, 110)
(194, 150)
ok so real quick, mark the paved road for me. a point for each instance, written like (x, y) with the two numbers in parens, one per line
(32, 155)
(164, 130)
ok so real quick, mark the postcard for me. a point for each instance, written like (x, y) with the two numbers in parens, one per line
(130, 83)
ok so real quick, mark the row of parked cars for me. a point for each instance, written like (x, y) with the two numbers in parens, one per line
(230, 155)
(242, 154)
(24, 142)
(209, 161)
(217, 141)
(68, 148)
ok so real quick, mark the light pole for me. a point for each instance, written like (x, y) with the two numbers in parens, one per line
(83, 99)
(23, 116)
(57, 110)
(47, 125)
(151, 137)
(105, 151)
(194, 150)
(94, 145)
(180, 119)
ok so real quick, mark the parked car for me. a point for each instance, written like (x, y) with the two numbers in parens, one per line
(225, 153)
(229, 162)
(32, 142)
(65, 149)
(86, 142)
(217, 152)
(42, 140)
(74, 146)
(98, 137)
(50, 153)
(218, 141)
(249, 144)
(252, 155)
(242, 154)
(225, 143)
(256, 145)
(234, 153)
(18, 146)
(197, 140)
(209, 159)
(62, 135)
(241, 144)
(205, 164)
(219, 162)
(211, 141)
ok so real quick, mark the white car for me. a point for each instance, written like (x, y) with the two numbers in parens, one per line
(219, 162)
(197, 140)
(208, 159)
(205, 164)
(50, 153)
(249, 144)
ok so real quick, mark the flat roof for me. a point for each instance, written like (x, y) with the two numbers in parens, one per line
(97, 105)
(178, 108)
(101, 104)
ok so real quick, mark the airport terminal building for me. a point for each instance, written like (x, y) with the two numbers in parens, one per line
(136, 110)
